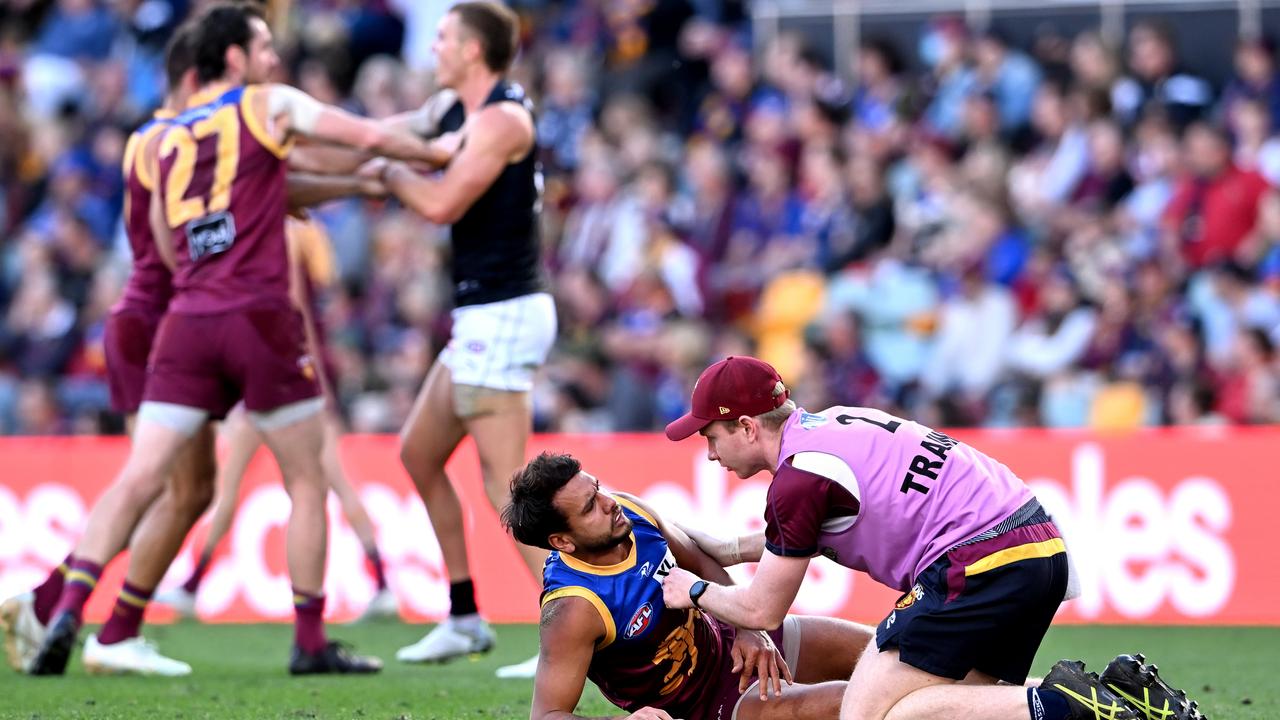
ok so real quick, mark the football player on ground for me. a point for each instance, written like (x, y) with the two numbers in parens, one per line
(604, 619)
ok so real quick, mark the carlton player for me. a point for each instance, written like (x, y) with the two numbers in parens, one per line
(504, 321)
(982, 567)
(231, 332)
(603, 616)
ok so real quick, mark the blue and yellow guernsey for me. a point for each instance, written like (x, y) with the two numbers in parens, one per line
(649, 655)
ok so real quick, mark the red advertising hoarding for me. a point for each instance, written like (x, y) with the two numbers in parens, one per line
(1165, 526)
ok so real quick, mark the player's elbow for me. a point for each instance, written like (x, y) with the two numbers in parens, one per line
(439, 213)
(773, 620)
(766, 618)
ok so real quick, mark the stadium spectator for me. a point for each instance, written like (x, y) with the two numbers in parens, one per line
(1215, 207)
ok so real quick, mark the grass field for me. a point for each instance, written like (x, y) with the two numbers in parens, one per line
(240, 673)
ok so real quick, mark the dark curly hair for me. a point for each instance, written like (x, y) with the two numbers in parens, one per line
(531, 516)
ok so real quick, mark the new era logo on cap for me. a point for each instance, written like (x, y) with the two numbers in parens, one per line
(731, 388)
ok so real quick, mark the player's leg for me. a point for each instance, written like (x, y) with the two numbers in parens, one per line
(118, 647)
(819, 649)
(295, 434)
(797, 702)
(429, 437)
(243, 441)
(383, 603)
(975, 621)
(500, 423)
(162, 431)
(821, 653)
(500, 418)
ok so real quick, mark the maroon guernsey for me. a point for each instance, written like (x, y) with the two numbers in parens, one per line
(223, 184)
(150, 284)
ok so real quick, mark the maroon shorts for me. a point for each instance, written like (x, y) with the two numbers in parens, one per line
(721, 702)
(127, 343)
(324, 359)
(212, 361)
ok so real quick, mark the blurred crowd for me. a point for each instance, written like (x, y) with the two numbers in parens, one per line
(1066, 235)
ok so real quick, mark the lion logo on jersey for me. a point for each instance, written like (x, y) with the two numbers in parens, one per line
(909, 598)
(679, 648)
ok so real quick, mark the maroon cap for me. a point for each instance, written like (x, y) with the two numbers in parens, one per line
(731, 388)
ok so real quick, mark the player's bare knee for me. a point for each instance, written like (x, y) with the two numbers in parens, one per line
(142, 479)
(306, 487)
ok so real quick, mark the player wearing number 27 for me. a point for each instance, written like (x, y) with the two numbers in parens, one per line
(231, 331)
(982, 567)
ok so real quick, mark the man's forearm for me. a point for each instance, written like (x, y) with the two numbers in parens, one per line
(404, 146)
(735, 606)
(306, 190)
(744, 548)
(326, 159)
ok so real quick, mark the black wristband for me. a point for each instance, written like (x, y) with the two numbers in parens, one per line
(696, 590)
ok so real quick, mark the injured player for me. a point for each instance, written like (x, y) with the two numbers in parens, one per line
(603, 617)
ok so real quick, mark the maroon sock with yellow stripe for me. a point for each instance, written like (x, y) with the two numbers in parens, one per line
(46, 596)
(126, 619)
(82, 578)
(308, 623)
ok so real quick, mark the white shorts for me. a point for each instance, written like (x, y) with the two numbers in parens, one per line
(499, 345)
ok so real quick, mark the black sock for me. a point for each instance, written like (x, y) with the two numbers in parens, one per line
(1047, 704)
(462, 598)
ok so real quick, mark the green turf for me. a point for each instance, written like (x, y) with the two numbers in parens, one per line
(240, 673)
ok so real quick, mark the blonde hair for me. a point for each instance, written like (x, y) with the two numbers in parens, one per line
(776, 417)
(773, 419)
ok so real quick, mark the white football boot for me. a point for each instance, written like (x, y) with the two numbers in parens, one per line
(450, 640)
(183, 602)
(23, 633)
(382, 606)
(135, 656)
(526, 670)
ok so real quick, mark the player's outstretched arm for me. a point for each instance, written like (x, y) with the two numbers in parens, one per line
(320, 159)
(761, 605)
(424, 121)
(495, 136)
(285, 112)
(744, 548)
(567, 635)
(306, 189)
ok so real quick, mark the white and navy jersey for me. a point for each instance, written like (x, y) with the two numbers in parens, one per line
(495, 243)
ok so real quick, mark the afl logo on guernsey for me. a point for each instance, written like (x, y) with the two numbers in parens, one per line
(640, 621)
